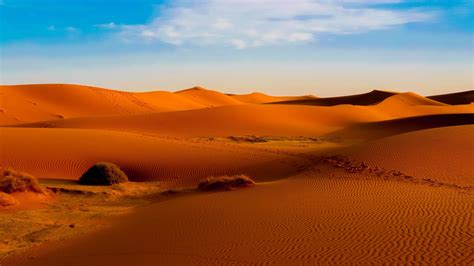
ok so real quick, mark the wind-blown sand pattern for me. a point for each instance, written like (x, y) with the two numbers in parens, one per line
(373, 221)
(375, 178)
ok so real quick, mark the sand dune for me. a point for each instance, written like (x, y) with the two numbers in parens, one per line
(441, 154)
(208, 98)
(369, 98)
(408, 98)
(252, 119)
(380, 129)
(25, 103)
(303, 209)
(465, 97)
(257, 97)
(306, 220)
(67, 153)
(263, 120)
(411, 104)
(29, 103)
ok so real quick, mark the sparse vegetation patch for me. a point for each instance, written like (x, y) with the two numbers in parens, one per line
(14, 181)
(225, 182)
(103, 174)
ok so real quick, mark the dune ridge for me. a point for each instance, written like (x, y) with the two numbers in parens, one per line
(253, 119)
(465, 97)
(257, 97)
(368, 98)
(386, 128)
(37, 102)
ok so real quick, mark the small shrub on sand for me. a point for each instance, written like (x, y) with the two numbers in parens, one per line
(103, 174)
(14, 181)
(7, 200)
(225, 182)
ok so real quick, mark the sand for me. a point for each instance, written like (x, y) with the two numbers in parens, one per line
(373, 221)
(465, 97)
(381, 177)
(67, 153)
(440, 154)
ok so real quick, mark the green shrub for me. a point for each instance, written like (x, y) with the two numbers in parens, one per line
(14, 181)
(225, 182)
(103, 174)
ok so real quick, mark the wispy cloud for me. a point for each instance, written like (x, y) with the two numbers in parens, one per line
(109, 26)
(252, 23)
(71, 29)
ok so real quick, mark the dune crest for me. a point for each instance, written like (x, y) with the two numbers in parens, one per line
(40, 102)
(368, 98)
(465, 97)
(408, 98)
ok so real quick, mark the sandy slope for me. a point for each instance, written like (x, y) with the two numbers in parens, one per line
(328, 221)
(274, 120)
(257, 97)
(381, 129)
(368, 98)
(442, 154)
(41, 102)
(208, 98)
(252, 119)
(323, 216)
(36, 102)
(67, 153)
(408, 98)
(465, 97)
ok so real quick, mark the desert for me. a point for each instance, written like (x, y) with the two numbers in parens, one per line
(235, 179)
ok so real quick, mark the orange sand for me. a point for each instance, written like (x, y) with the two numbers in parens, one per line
(67, 153)
(307, 220)
(441, 154)
(307, 212)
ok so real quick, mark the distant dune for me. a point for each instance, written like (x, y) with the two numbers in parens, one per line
(30, 103)
(207, 98)
(369, 98)
(257, 97)
(408, 98)
(263, 120)
(386, 128)
(465, 97)
(254, 119)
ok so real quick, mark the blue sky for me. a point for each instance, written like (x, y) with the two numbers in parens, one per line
(323, 47)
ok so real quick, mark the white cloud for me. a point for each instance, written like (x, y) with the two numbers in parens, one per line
(110, 25)
(252, 23)
(71, 29)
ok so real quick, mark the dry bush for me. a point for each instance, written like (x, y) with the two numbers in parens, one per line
(14, 181)
(7, 200)
(103, 174)
(225, 182)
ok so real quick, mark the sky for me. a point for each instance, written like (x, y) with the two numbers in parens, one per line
(292, 47)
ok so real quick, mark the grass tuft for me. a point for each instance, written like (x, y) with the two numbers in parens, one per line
(225, 182)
